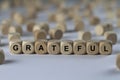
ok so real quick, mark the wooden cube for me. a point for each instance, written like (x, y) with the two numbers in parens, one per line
(15, 46)
(112, 36)
(45, 27)
(84, 35)
(60, 17)
(2, 56)
(41, 47)
(66, 47)
(102, 28)
(13, 36)
(79, 47)
(53, 47)
(105, 47)
(92, 48)
(28, 47)
(18, 18)
(4, 28)
(94, 20)
(42, 26)
(30, 26)
(40, 34)
(79, 26)
(15, 29)
(118, 61)
(55, 34)
(62, 26)
(36, 28)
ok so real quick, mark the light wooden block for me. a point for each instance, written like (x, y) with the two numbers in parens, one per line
(18, 18)
(92, 48)
(105, 47)
(112, 36)
(45, 27)
(41, 47)
(118, 61)
(36, 28)
(94, 20)
(40, 34)
(30, 26)
(62, 26)
(79, 26)
(15, 46)
(53, 47)
(84, 35)
(55, 34)
(66, 47)
(102, 28)
(4, 29)
(28, 47)
(2, 57)
(15, 29)
(60, 17)
(79, 47)
(13, 36)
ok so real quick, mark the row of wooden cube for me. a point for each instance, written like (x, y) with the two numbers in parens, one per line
(66, 47)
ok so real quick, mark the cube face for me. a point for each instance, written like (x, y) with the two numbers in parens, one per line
(2, 56)
(19, 19)
(79, 47)
(53, 47)
(105, 47)
(40, 34)
(45, 27)
(36, 28)
(99, 30)
(41, 47)
(66, 47)
(30, 26)
(92, 48)
(111, 36)
(85, 35)
(28, 47)
(12, 29)
(79, 26)
(15, 47)
(56, 34)
(62, 26)
(102, 28)
(94, 20)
